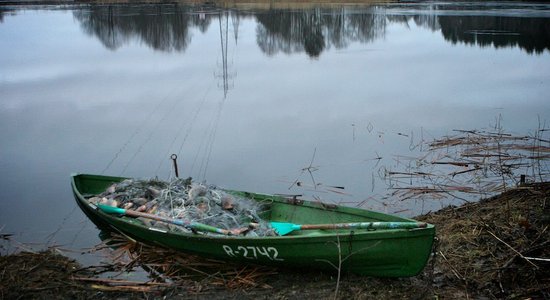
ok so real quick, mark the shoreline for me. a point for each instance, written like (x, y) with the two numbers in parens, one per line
(496, 248)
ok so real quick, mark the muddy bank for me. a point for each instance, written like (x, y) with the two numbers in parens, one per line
(497, 248)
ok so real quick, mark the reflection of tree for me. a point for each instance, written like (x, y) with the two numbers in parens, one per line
(314, 30)
(162, 27)
(530, 34)
(166, 27)
(366, 28)
(280, 31)
(6, 12)
(478, 24)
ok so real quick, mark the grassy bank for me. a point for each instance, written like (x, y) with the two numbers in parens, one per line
(496, 248)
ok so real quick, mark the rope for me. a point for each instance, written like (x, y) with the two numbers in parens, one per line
(172, 109)
(180, 131)
(218, 117)
(134, 134)
(200, 149)
(185, 123)
(210, 145)
(213, 126)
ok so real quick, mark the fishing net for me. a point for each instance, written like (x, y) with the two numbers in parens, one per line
(188, 201)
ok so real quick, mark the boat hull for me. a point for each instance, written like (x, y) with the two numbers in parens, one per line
(380, 253)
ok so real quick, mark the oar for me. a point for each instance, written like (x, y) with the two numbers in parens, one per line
(187, 224)
(285, 228)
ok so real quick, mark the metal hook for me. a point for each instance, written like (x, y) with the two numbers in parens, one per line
(174, 158)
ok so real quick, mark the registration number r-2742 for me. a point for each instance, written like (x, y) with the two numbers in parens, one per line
(252, 252)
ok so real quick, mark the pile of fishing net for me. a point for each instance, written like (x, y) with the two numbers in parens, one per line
(189, 201)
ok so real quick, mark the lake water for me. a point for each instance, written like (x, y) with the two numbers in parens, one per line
(252, 97)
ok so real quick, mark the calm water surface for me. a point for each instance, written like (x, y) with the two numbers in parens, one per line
(250, 97)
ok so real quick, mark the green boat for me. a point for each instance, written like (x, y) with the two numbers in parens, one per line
(386, 252)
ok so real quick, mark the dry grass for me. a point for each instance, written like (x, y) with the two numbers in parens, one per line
(485, 248)
(497, 248)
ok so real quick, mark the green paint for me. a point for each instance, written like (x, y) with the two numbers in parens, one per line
(383, 253)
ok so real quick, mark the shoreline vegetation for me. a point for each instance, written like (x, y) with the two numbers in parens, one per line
(255, 4)
(498, 247)
(494, 248)
(220, 3)
(297, 26)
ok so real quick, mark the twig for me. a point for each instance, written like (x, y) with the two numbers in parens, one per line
(457, 274)
(517, 252)
(119, 281)
(121, 288)
(537, 258)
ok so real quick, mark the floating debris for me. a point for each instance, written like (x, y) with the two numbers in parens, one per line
(472, 163)
(188, 201)
(169, 268)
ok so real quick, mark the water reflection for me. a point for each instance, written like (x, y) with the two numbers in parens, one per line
(6, 12)
(530, 34)
(161, 27)
(166, 27)
(316, 30)
(355, 110)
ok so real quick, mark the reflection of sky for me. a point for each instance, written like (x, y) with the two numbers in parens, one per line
(70, 105)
